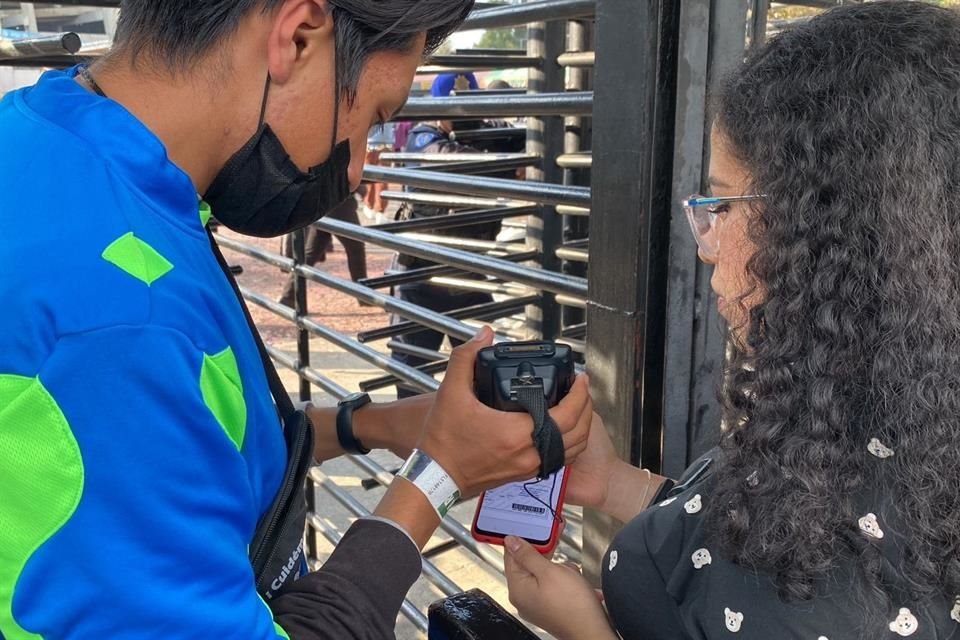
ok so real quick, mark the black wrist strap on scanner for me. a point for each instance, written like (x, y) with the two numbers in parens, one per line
(527, 389)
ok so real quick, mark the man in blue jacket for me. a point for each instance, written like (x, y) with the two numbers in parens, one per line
(139, 446)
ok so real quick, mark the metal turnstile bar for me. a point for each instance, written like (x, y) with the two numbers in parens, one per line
(411, 276)
(470, 244)
(417, 352)
(574, 103)
(67, 43)
(409, 311)
(392, 279)
(479, 167)
(486, 286)
(472, 62)
(454, 220)
(554, 282)
(511, 15)
(408, 374)
(444, 158)
(489, 311)
(570, 301)
(572, 254)
(307, 373)
(581, 160)
(577, 59)
(541, 192)
(381, 382)
(449, 200)
(582, 212)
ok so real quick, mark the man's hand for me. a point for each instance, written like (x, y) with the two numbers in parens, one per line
(553, 596)
(483, 448)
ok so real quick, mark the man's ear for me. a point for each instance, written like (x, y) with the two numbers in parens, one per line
(300, 29)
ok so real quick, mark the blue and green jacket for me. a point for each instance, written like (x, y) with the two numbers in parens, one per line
(139, 444)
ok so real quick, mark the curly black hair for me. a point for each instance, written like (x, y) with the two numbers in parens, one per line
(850, 125)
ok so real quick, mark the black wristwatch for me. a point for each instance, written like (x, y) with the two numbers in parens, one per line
(345, 409)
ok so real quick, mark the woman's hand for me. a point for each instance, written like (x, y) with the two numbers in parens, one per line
(588, 480)
(599, 479)
(553, 596)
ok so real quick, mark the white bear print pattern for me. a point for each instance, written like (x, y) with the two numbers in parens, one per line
(614, 556)
(879, 449)
(955, 612)
(870, 526)
(905, 624)
(693, 505)
(733, 619)
(701, 558)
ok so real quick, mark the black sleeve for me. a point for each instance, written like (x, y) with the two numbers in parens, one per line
(358, 592)
(652, 563)
(636, 572)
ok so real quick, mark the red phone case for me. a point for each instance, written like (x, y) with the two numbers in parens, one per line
(546, 548)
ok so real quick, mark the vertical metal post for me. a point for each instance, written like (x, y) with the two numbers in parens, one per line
(684, 302)
(633, 132)
(757, 25)
(110, 18)
(30, 16)
(712, 36)
(545, 138)
(727, 43)
(575, 227)
(300, 306)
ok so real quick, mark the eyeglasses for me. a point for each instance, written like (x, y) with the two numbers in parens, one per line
(702, 214)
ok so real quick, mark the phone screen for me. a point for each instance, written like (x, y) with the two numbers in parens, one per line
(520, 509)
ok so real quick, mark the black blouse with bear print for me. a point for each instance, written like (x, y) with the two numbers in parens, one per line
(661, 581)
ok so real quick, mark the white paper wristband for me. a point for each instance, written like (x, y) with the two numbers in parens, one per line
(435, 483)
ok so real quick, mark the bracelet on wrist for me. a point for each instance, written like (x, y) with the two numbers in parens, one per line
(436, 484)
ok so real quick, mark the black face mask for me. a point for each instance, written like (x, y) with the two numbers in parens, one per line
(261, 191)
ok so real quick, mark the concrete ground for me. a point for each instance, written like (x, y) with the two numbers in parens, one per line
(342, 313)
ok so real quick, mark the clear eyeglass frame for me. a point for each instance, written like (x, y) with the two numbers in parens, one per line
(703, 213)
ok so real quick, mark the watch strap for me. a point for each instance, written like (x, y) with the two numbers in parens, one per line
(348, 441)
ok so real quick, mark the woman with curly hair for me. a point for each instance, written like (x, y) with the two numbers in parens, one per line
(831, 508)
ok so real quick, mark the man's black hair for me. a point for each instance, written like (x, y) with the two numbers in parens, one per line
(179, 33)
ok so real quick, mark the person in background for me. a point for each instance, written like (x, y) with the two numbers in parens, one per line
(831, 508)
(317, 243)
(434, 137)
(401, 134)
(381, 138)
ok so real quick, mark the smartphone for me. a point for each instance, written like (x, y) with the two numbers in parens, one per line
(532, 509)
(521, 509)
